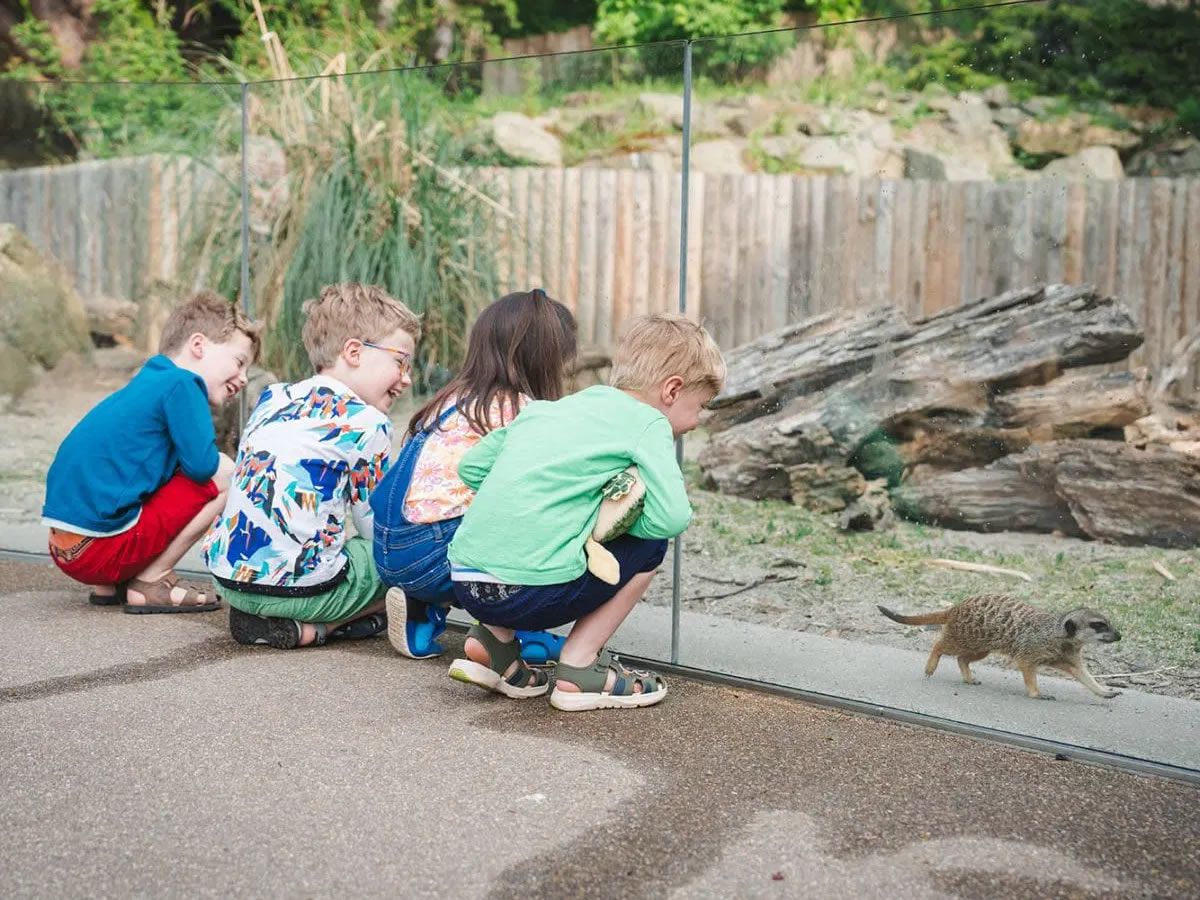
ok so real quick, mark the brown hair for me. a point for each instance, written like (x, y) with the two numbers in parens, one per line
(352, 310)
(520, 344)
(214, 317)
(655, 347)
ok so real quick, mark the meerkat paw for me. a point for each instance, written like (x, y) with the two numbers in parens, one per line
(1043, 696)
(1108, 695)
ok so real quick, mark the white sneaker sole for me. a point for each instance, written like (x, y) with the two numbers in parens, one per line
(397, 613)
(575, 701)
(481, 676)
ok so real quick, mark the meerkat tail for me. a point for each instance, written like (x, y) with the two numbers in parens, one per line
(933, 618)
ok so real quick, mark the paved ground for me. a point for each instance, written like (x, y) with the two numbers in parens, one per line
(1136, 724)
(151, 755)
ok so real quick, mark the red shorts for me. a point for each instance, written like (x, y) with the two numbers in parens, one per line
(119, 557)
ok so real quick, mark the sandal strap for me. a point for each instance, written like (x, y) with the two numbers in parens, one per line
(592, 679)
(500, 654)
(158, 592)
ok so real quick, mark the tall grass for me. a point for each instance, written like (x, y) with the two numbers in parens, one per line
(372, 197)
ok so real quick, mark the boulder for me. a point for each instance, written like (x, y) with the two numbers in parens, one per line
(42, 319)
(720, 157)
(665, 108)
(934, 166)
(111, 321)
(1176, 159)
(522, 139)
(1068, 135)
(1090, 162)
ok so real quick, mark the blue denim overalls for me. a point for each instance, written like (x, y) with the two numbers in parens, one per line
(412, 555)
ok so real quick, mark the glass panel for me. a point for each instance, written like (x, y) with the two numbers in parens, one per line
(451, 186)
(112, 197)
(950, 297)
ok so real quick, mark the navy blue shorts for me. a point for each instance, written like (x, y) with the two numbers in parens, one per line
(537, 607)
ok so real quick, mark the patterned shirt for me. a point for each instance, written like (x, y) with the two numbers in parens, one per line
(311, 454)
(436, 493)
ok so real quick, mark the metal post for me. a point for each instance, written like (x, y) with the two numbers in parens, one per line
(676, 600)
(245, 282)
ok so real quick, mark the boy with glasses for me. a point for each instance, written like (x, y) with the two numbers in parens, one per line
(312, 453)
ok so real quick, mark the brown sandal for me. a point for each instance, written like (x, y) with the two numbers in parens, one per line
(159, 599)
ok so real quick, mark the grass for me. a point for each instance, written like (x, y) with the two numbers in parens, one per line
(846, 574)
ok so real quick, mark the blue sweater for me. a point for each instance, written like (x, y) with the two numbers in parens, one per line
(128, 447)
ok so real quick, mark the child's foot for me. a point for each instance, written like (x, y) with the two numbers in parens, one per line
(413, 626)
(496, 666)
(107, 595)
(166, 595)
(605, 684)
(283, 634)
(540, 647)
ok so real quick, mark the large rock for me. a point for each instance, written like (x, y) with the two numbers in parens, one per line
(967, 145)
(1177, 159)
(1067, 135)
(934, 166)
(864, 155)
(664, 108)
(42, 319)
(524, 140)
(1090, 162)
(720, 157)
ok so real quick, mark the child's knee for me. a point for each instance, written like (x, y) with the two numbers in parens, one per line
(224, 477)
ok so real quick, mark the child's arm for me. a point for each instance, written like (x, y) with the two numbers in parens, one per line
(366, 471)
(190, 426)
(667, 510)
(478, 461)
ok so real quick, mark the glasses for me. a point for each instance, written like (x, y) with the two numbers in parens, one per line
(403, 358)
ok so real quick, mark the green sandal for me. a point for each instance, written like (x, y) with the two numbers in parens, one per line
(591, 680)
(522, 683)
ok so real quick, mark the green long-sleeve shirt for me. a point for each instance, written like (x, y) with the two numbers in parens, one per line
(538, 485)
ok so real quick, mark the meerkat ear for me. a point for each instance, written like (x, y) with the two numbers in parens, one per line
(1069, 627)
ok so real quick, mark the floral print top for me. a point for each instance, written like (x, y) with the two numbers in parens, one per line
(436, 493)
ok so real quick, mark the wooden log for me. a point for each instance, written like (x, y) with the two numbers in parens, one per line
(1075, 405)
(1106, 490)
(895, 399)
(1025, 336)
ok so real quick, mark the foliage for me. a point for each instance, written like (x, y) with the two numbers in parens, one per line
(371, 196)
(105, 118)
(1121, 51)
(642, 21)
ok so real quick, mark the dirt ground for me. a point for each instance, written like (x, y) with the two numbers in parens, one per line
(776, 564)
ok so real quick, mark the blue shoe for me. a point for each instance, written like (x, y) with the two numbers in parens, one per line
(540, 647)
(413, 626)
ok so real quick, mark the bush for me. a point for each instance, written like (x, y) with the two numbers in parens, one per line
(645, 21)
(1120, 51)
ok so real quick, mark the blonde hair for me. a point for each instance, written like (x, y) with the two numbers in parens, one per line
(655, 347)
(352, 310)
(214, 317)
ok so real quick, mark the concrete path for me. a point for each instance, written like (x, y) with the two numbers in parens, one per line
(1136, 724)
(151, 755)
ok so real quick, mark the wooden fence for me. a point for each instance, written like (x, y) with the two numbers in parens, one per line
(763, 250)
(115, 225)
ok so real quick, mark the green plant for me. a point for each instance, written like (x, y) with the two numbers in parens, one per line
(1123, 51)
(1188, 115)
(643, 21)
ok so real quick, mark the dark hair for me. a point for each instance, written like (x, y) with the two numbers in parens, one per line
(520, 344)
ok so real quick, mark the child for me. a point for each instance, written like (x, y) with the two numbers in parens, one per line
(518, 351)
(517, 561)
(139, 479)
(312, 454)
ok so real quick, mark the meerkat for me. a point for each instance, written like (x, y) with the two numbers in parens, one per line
(995, 623)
